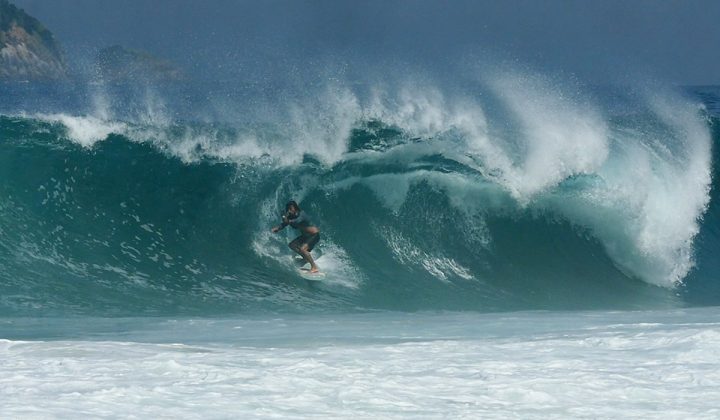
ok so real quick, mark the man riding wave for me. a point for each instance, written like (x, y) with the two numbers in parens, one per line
(309, 233)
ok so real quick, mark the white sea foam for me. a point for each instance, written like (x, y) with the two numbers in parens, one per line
(321, 126)
(85, 130)
(382, 365)
(559, 137)
(437, 265)
(650, 196)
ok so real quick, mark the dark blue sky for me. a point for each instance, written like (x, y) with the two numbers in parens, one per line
(600, 41)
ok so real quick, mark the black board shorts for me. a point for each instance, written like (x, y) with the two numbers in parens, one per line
(301, 240)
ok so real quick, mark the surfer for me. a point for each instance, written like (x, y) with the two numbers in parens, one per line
(309, 233)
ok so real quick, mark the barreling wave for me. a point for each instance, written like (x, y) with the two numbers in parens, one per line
(528, 199)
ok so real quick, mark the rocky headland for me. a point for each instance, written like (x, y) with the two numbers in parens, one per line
(28, 50)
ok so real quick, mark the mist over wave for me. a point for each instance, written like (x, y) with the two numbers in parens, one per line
(518, 193)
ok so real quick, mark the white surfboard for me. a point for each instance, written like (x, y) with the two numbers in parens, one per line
(306, 274)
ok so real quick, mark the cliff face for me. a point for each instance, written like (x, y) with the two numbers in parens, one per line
(119, 64)
(28, 51)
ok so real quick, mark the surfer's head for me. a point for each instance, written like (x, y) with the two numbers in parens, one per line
(292, 207)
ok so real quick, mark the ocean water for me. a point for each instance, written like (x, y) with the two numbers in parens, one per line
(516, 248)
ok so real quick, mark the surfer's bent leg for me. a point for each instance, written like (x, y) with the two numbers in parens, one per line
(312, 241)
(306, 254)
(296, 243)
(307, 244)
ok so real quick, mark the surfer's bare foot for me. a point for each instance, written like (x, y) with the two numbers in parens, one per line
(314, 270)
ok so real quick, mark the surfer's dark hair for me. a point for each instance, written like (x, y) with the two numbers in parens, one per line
(291, 203)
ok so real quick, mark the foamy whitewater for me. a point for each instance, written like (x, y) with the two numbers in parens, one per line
(389, 365)
(517, 247)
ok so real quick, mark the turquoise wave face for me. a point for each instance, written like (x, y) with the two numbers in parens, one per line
(519, 206)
